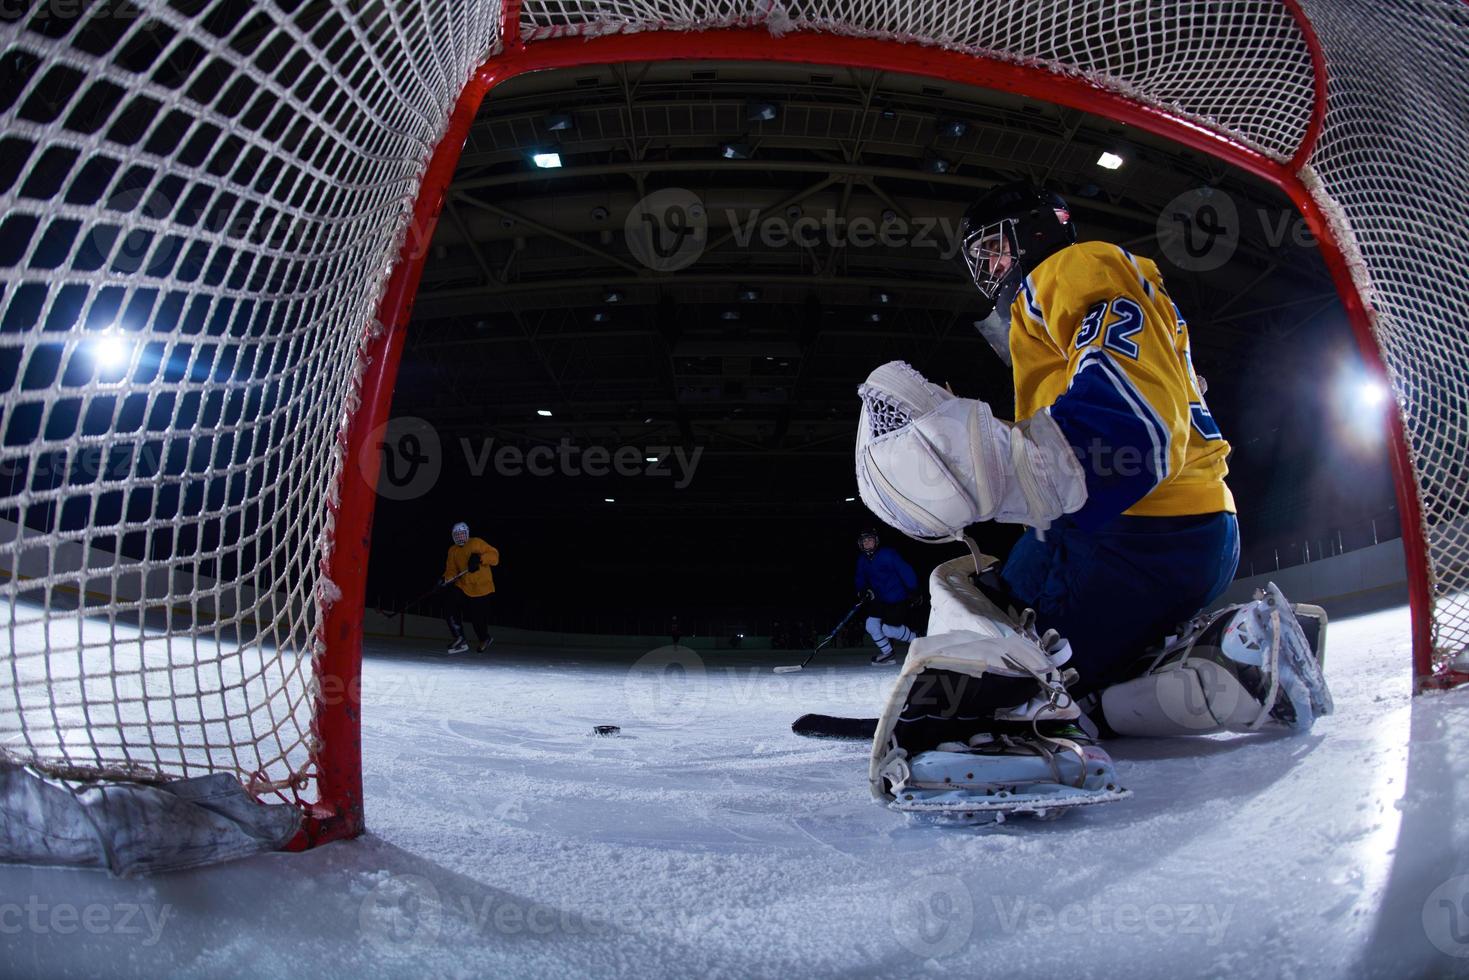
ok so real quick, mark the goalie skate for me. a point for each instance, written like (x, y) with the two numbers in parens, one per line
(1251, 667)
(1039, 777)
(948, 746)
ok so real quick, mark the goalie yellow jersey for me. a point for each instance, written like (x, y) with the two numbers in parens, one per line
(1096, 340)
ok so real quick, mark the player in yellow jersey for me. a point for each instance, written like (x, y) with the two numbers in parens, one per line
(1099, 347)
(471, 583)
(1114, 461)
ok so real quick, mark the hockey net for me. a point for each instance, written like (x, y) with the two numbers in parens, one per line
(204, 200)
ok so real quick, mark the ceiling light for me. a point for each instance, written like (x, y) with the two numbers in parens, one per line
(735, 151)
(613, 296)
(609, 500)
(875, 316)
(849, 500)
(882, 296)
(730, 315)
(761, 111)
(747, 294)
(559, 122)
(548, 160)
(1109, 161)
(544, 413)
(935, 164)
(601, 316)
(953, 128)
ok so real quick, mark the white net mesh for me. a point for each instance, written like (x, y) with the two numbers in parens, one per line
(1239, 66)
(201, 204)
(1392, 157)
(201, 201)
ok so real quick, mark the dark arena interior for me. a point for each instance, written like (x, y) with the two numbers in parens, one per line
(830, 199)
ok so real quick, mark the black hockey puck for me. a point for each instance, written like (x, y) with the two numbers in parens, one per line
(606, 730)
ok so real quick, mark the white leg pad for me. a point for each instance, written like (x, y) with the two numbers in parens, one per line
(1197, 699)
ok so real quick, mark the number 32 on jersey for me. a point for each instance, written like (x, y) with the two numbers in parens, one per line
(1118, 319)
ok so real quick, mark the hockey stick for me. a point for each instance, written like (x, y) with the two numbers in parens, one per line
(414, 602)
(790, 669)
(831, 726)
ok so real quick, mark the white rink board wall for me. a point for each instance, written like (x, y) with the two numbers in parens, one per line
(202, 202)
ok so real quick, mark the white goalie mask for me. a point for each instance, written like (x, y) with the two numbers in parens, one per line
(930, 464)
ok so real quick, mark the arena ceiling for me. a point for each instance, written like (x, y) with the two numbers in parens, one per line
(533, 300)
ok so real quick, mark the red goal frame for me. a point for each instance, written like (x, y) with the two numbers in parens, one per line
(339, 811)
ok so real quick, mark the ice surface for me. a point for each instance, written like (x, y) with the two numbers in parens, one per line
(707, 840)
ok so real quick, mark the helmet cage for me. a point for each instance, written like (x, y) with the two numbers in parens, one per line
(990, 252)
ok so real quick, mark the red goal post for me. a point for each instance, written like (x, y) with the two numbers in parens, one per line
(1308, 96)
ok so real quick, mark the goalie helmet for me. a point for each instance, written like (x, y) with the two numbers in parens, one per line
(868, 532)
(1008, 232)
(460, 533)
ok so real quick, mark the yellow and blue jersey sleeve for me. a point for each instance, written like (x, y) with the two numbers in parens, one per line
(1096, 341)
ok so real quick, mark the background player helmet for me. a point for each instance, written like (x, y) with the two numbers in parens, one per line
(460, 533)
(866, 533)
(1008, 232)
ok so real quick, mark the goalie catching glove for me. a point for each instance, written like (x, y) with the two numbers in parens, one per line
(930, 464)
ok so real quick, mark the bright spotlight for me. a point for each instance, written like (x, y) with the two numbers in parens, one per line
(544, 413)
(1109, 161)
(111, 351)
(546, 161)
(1372, 394)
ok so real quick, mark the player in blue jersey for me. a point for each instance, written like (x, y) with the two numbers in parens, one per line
(889, 585)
